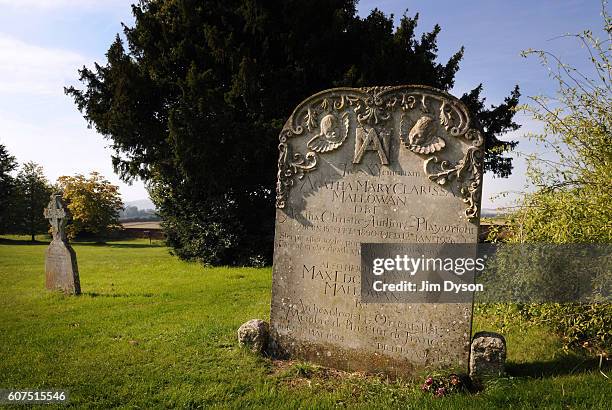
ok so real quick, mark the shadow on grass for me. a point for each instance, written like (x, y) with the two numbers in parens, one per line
(117, 295)
(8, 241)
(119, 245)
(565, 365)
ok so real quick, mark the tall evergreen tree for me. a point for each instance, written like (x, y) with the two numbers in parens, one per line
(32, 195)
(7, 188)
(195, 105)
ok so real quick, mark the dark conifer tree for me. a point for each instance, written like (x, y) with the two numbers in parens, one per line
(7, 189)
(32, 195)
(195, 104)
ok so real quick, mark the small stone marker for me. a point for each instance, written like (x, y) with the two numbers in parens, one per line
(487, 356)
(254, 334)
(371, 165)
(60, 259)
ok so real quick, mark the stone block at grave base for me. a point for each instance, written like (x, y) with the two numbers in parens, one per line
(487, 355)
(254, 335)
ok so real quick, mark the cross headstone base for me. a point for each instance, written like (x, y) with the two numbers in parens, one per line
(61, 269)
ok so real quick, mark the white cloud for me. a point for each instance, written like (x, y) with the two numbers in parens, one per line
(58, 4)
(39, 123)
(30, 69)
(63, 146)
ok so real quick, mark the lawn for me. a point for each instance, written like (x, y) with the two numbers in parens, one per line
(151, 331)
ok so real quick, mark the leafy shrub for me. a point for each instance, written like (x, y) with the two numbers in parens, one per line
(587, 326)
(571, 203)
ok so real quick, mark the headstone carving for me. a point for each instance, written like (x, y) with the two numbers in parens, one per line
(61, 269)
(372, 165)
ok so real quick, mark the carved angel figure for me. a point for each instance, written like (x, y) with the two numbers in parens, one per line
(421, 137)
(331, 135)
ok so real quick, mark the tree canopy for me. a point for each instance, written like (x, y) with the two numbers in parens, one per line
(195, 103)
(94, 204)
(7, 187)
(31, 197)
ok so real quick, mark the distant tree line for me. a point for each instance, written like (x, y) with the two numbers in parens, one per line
(133, 213)
(22, 197)
(94, 203)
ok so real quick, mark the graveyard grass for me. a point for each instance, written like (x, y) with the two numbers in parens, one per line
(151, 331)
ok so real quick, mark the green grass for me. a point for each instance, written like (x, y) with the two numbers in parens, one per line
(151, 331)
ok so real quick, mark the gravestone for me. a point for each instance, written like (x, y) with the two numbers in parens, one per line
(372, 165)
(61, 269)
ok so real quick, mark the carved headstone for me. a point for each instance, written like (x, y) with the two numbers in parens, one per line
(372, 165)
(61, 269)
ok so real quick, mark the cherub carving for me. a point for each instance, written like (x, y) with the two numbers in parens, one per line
(331, 135)
(421, 137)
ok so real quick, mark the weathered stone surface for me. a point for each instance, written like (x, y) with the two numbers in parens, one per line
(383, 165)
(61, 268)
(487, 355)
(254, 334)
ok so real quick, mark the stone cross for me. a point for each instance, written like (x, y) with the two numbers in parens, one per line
(61, 270)
(57, 215)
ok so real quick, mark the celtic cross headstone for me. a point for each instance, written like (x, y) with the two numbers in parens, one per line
(61, 270)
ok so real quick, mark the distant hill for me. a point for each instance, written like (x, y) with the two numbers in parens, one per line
(140, 204)
(139, 210)
(488, 212)
(492, 213)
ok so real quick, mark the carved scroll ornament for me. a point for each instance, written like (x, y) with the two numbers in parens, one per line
(323, 120)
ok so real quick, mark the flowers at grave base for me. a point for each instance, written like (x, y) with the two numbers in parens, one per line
(441, 386)
(428, 383)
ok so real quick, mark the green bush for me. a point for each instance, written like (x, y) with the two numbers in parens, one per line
(572, 203)
(582, 327)
(587, 326)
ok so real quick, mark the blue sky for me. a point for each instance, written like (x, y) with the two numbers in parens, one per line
(44, 42)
